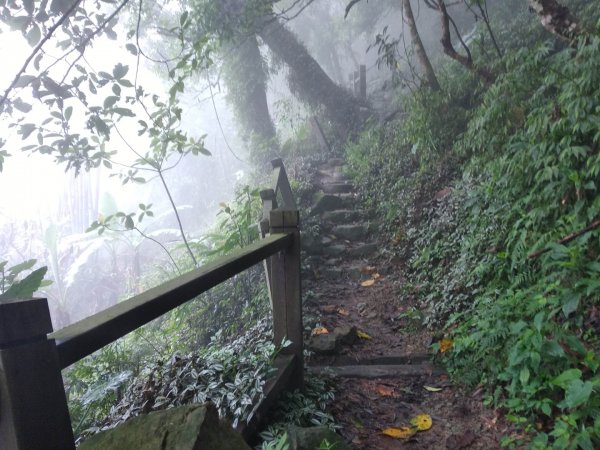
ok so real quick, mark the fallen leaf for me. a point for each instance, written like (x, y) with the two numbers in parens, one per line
(385, 391)
(329, 309)
(422, 422)
(363, 335)
(376, 276)
(319, 330)
(368, 283)
(368, 269)
(343, 312)
(445, 345)
(400, 433)
(432, 389)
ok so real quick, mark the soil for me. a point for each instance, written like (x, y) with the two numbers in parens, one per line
(365, 405)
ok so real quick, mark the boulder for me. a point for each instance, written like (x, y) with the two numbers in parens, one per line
(346, 335)
(323, 344)
(192, 427)
(313, 437)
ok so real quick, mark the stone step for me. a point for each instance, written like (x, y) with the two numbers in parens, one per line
(382, 360)
(343, 215)
(351, 232)
(338, 188)
(378, 370)
(362, 250)
(331, 202)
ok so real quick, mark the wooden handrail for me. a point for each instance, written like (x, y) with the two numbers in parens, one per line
(82, 338)
(33, 405)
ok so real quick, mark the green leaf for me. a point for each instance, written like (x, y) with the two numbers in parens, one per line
(129, 223)
(577, 393)
(110, 101)
(26, 129)
(21, 105)
(120, 70)
(567, 377)
(34, 35)
(524, 375)
(25, 288)
(124, 112)
(132, 48)
(571, 305)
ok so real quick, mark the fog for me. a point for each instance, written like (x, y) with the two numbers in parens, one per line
(45, 210)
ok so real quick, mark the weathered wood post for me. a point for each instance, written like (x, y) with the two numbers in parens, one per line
(286, 291)
(362, 82)
(33, 404)
(269, 202)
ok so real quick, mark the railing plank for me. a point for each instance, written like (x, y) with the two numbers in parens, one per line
(82, 338)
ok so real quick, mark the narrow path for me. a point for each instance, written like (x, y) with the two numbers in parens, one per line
(369, 334)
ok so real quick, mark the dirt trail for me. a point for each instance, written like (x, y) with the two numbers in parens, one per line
(382, 377)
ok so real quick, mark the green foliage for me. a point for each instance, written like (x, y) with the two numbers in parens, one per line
(471, 191)
(304, 408)
(12, 286)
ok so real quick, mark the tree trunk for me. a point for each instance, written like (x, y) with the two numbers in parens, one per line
(556, 18)
(449, 49)
(424, 62)
(309, 81)
(246, 78)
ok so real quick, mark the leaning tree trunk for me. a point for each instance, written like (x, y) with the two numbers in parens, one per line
(424, 61)
(467, 61)
(309, 81)
(556, 18)
(246, 78)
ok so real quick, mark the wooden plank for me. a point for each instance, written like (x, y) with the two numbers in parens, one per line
(88, 335)
(391, 359)
(286, 289)
(285, 366)
(379, 371)
(23, 319)
(282, 184)
(33, 404)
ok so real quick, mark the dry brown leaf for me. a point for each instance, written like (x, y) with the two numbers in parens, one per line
(329, 309)
(376, 276)
(367, 283)
(445, 345)
(343, 312)
(422, 422)
(319, 330)
(385, 391)
(400, 433)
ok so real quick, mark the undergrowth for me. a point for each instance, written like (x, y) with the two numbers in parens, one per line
(478, 206)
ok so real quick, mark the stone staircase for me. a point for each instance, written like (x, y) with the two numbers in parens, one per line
(345, 233)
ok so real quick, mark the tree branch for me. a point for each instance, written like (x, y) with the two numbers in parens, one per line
(567, 239)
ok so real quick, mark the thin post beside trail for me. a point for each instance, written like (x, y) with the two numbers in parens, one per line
(33, 405)
(286, 291)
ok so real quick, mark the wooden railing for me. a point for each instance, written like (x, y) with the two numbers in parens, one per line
(33, 405)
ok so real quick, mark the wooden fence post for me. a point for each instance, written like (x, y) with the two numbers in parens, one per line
(362, 82)
(33, 404)
(286, 291)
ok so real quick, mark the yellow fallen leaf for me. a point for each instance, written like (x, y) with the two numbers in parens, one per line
(445, 345)
(376, 276)
(319, 330)
(422, 422)
(432, 389)
(400, 433)
(363, 335)
(367, 283)
(385, 391)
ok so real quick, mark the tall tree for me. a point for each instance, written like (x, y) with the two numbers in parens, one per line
(422, 57)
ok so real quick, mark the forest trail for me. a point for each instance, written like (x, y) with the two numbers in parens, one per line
(369, 334)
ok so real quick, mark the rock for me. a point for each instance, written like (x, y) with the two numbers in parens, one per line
(193, 427)
(349, 232)
(327, 203)
(311, 438)
(362, 250)
(334, 250)
(333, 273)
(354, 273)
(312, 245)
(323, 344)
(345, 335)
(342, 216)
(337, 188)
